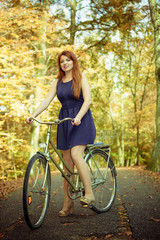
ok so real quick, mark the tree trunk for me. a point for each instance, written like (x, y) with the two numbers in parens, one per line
(119, 137)
(121, 156)
(34, 138)
(10, 143)
(73, 5)
(120, 145)
(154, 164)
(138, 148)
(41, 72)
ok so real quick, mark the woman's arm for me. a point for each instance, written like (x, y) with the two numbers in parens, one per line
(87, 100)
(45, 103)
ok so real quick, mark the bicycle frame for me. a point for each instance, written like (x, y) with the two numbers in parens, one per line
(49, 156)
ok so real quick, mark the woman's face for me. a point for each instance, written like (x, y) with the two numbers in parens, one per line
(66, 63)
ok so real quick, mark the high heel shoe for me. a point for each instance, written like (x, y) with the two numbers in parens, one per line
(87, 201)
(69, 211)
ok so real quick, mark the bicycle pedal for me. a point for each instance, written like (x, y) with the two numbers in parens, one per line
(84, 205)
(87, 205)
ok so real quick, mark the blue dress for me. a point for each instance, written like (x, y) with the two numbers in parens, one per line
(69, 135)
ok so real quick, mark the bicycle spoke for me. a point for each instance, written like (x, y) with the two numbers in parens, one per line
(103, 178)
(36, 191)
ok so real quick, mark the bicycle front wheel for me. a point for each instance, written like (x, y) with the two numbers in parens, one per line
(103, 179)
(36, 191)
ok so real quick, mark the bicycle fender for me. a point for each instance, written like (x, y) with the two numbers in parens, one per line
(42, 154)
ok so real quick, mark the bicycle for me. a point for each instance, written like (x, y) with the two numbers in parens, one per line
(37, 181)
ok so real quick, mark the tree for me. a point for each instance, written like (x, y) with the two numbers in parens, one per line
(139, 81)
(22, 73)
(154, 164)
(106, 19)
(73, 5)
(41, 60)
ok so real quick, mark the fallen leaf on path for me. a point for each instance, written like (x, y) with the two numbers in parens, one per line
(69, 223)
(108, 236)
(1, 235)
(120, 234)
(8, 186)
(155, 220)
(128, 233)
(92, 238)
(130, 204)
(87, 214)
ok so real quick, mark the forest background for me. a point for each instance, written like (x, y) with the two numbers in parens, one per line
(114, 43)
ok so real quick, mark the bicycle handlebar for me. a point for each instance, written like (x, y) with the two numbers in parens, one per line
(57, 121)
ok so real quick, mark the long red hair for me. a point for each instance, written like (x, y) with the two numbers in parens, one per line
(76, 74)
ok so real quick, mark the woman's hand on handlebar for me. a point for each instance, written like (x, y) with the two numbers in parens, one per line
(29, 120)
(76, 121)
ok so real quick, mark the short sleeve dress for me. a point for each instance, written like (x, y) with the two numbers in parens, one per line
(69, 135)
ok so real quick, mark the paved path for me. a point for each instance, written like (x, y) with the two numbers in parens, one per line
(134, 215)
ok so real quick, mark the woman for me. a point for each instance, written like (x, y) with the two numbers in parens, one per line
(73, 92)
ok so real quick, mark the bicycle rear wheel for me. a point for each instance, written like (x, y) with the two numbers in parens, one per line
(103, 178)
(36, 191)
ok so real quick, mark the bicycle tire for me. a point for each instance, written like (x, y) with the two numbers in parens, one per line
(35, 199)
(103, 179)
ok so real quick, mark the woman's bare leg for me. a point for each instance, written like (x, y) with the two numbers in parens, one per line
(82, 168)
(69, 161)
